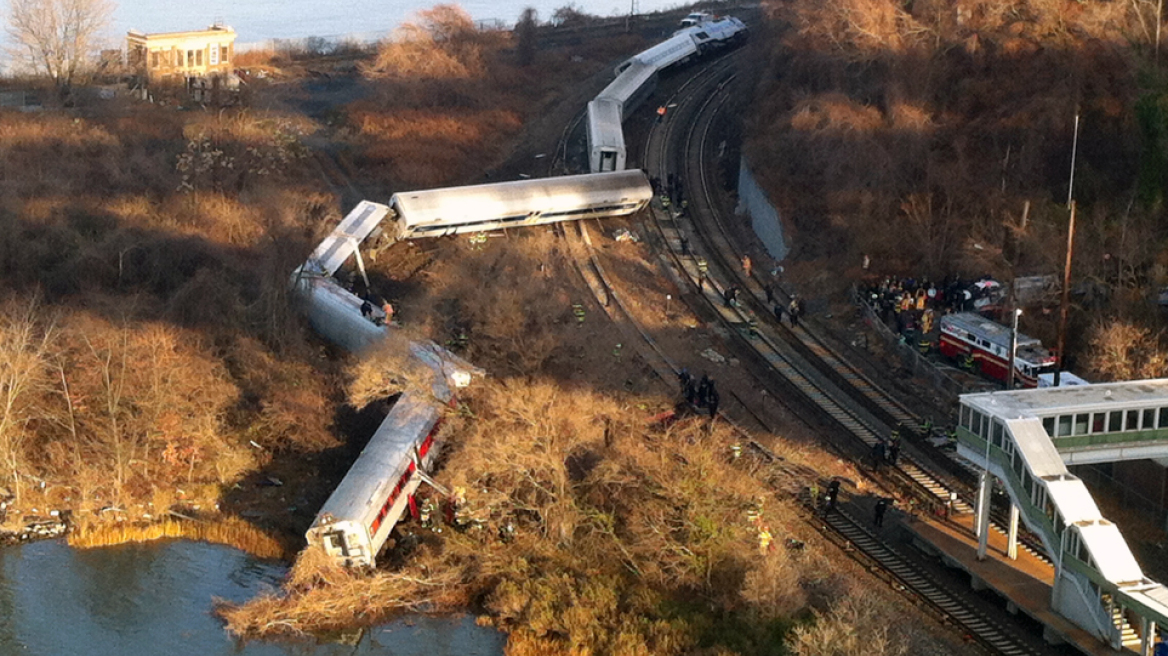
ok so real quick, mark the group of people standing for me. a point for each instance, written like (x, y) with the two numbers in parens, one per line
(701, 393)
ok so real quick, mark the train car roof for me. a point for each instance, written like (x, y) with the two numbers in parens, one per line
(665, 53)
(457, 205)
(1047, 401)
(331, 253)
(383, 460)
(604, 123)
(628, 82)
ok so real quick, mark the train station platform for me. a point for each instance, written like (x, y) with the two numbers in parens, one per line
(1024, 583)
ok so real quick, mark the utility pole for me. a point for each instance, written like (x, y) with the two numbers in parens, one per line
(1064, 306)
(1013, 344)
(1066, 300)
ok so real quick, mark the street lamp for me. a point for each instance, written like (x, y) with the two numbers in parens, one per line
(1013, 349)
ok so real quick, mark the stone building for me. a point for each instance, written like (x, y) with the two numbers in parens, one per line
(181, 56)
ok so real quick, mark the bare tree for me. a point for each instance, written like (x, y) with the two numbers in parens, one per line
(525, 36)
(24, 345)
(56, 36)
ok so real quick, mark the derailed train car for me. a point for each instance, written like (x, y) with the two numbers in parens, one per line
(636, 77)
(355, 522)
(438, 212)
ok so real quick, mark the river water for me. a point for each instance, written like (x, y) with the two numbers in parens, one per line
(157, 599)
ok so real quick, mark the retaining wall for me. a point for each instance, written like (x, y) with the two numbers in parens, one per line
(764, 218)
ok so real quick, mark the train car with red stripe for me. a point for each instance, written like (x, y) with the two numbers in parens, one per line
(355, 522)
(969, 334)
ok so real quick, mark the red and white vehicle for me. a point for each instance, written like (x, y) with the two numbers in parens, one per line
(969, 334)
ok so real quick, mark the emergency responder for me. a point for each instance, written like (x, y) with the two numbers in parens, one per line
(833, 489)
(578, 310)
(747, 265)
(661, 113)
(879, 452)
(703, 273)
(881, 508)
(712, 401)
(764, 540)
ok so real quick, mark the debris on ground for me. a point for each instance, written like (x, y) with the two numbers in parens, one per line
(713, 356)
(623, 235)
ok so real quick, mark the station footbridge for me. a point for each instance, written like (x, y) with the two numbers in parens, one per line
(1024, 440)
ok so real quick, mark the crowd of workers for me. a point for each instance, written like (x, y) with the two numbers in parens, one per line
(914, 307)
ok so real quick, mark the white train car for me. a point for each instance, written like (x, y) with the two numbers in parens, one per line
(675, 49)
(355, 522)
(606, 140)
(631, 87)
(438, 212)
(715, 34)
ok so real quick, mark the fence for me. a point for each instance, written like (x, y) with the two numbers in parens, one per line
(910, 357)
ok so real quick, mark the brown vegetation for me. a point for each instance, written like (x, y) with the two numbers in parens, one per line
(451, 98)
(590, 532)
(936, 137)
(230, 531)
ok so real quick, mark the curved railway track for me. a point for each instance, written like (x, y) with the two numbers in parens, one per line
(833, 392)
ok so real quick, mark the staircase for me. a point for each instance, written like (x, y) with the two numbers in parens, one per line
(1128, 636)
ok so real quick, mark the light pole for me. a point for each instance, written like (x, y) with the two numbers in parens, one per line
(1013, 349)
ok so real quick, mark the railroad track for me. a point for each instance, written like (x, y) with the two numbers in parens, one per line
(687, 241)
(800, 374)
(931, 471)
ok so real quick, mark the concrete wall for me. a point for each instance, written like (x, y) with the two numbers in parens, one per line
(764, 218)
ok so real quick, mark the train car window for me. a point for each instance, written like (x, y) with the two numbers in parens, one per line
(963, 420)
(1098, 421)
(1048, 426)
(1115, 421)
(1064, 426)
(1081, 421)
(1028, 484)
(997, 434)
(1149, 418)
(1133, 420)
(702, 35)
(1163, 417)
(1018, 466)
(976, 422)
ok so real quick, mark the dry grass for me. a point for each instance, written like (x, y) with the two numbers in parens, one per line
(230, 531)
(590, 532)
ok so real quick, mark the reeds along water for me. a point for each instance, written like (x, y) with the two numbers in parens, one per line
(230, 531)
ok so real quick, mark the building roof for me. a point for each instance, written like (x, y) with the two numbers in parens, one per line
(1044, 402)
(1074, 501)
(1036, 447)
(217, 30)
(1112, 556)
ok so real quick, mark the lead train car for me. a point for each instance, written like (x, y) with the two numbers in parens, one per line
(438, 212)
(355, 522)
